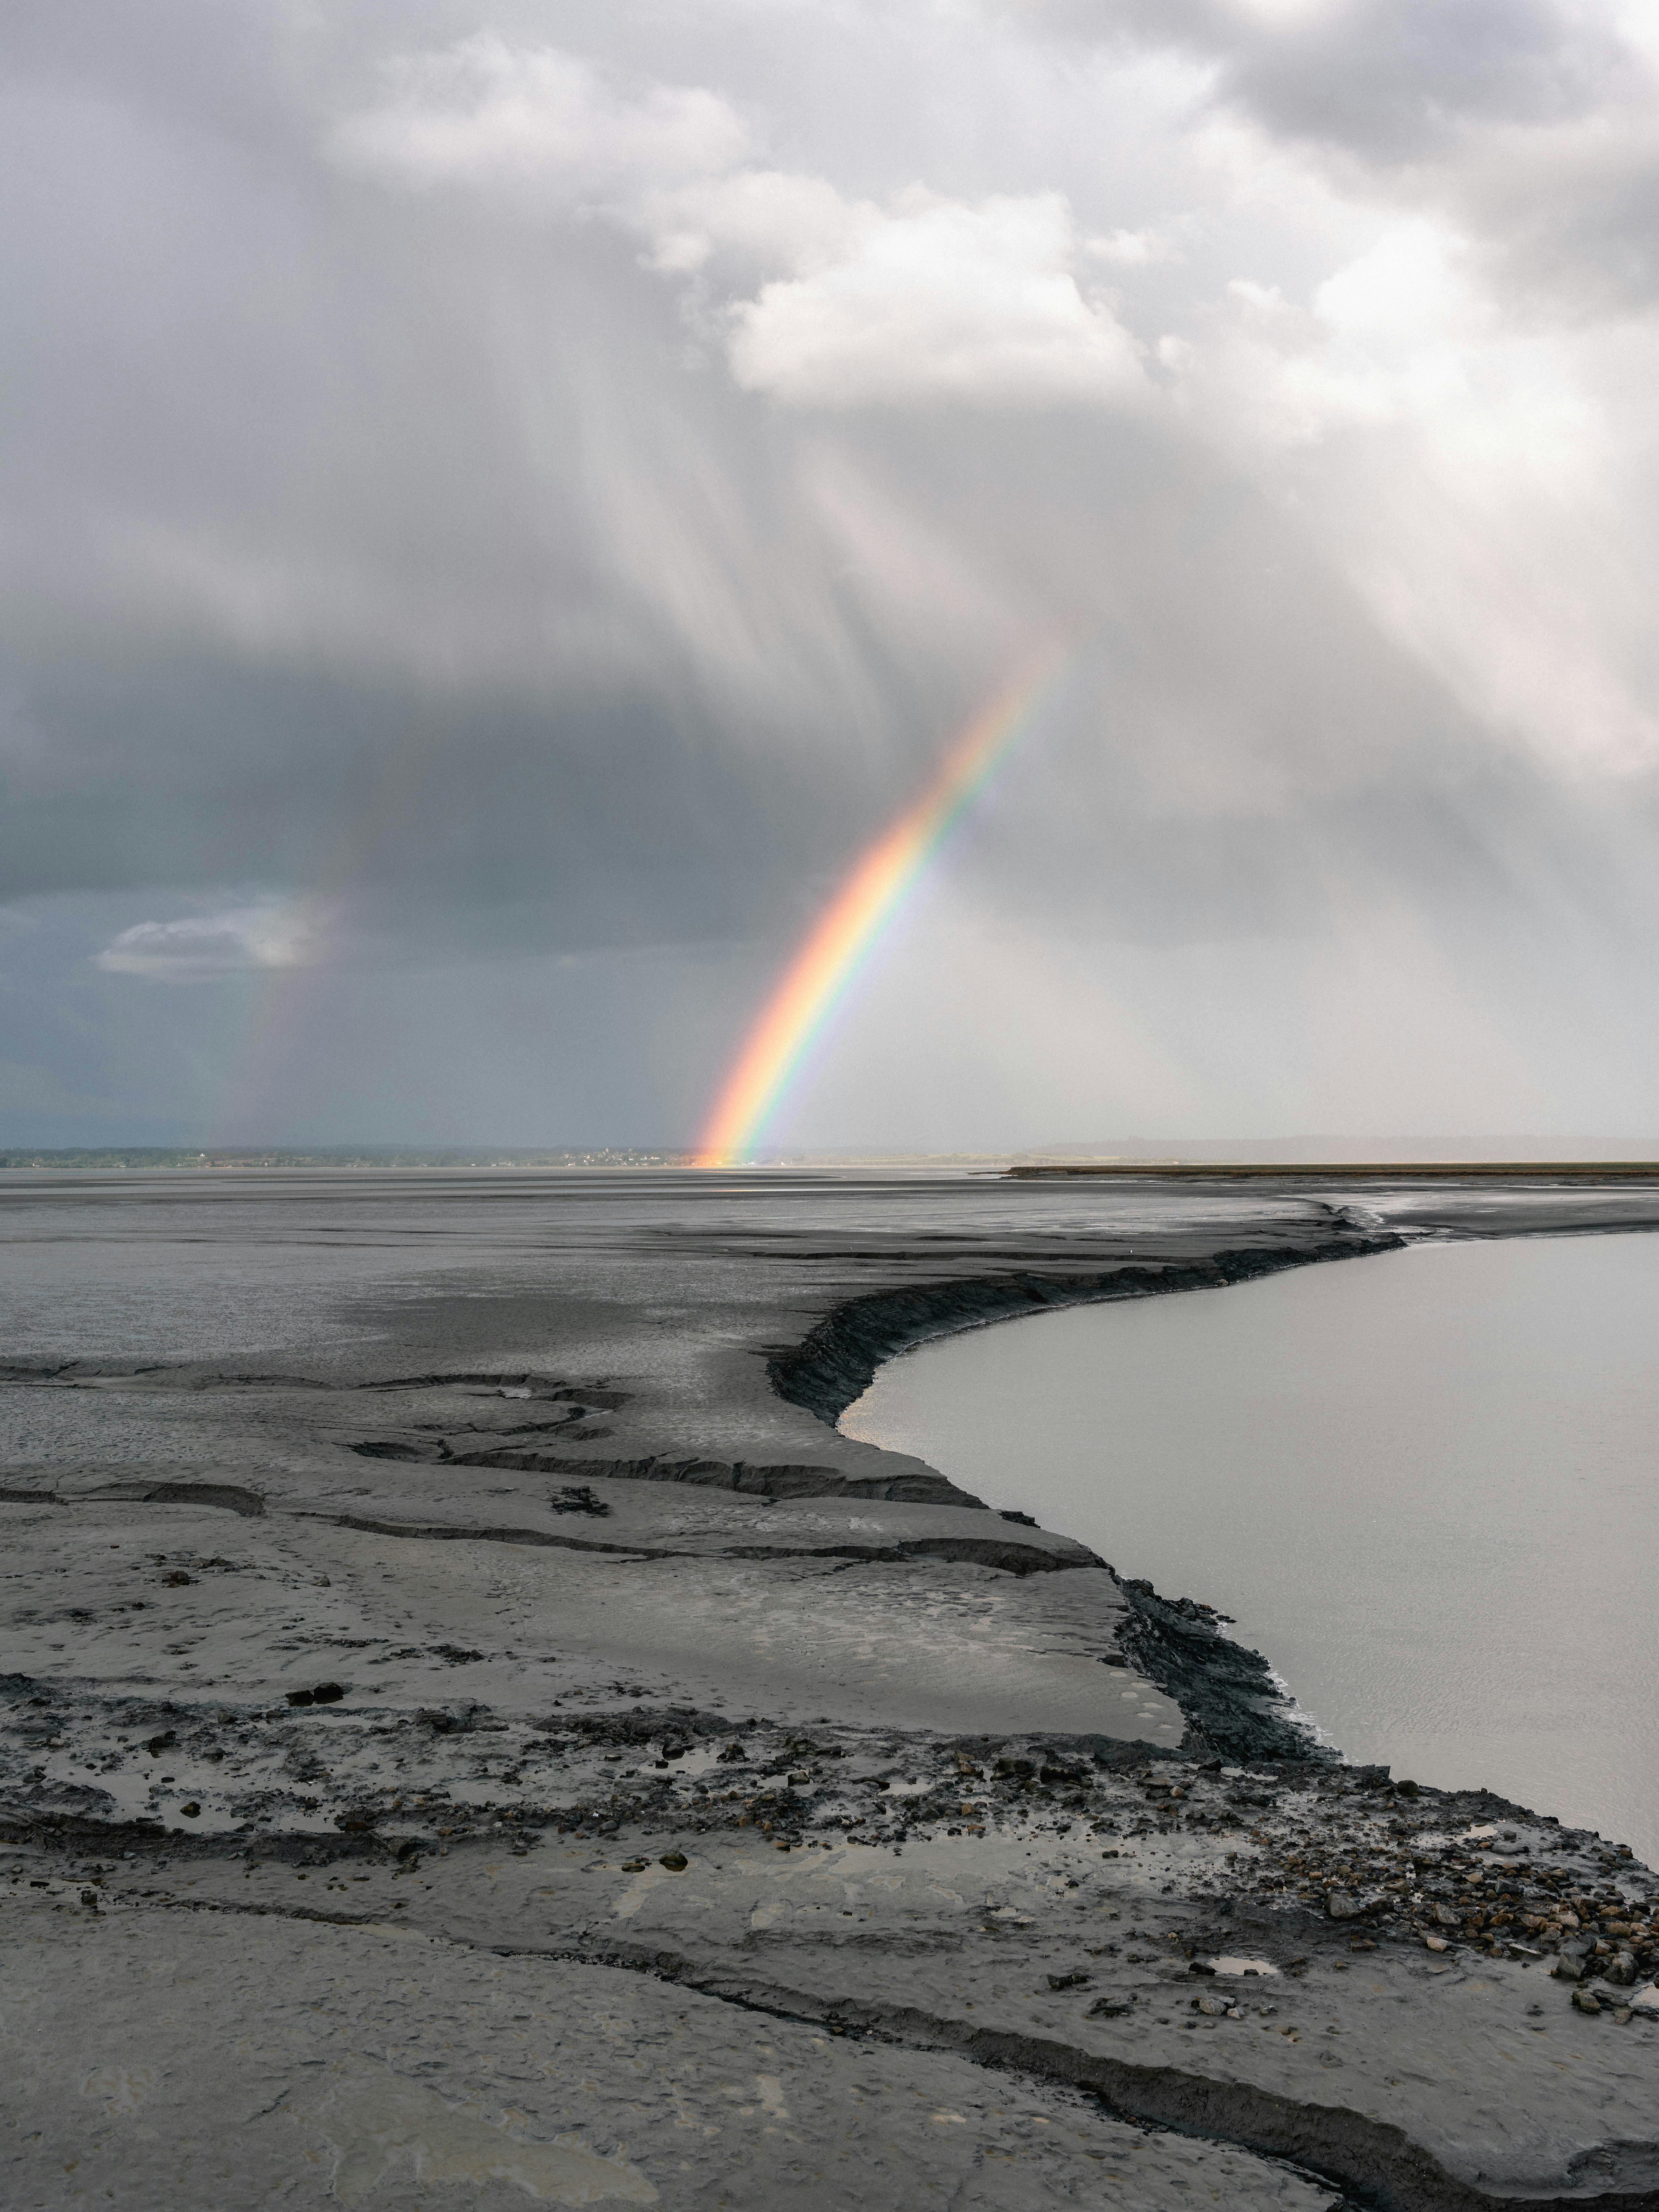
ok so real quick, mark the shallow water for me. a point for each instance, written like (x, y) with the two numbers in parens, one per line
(1426, 1484)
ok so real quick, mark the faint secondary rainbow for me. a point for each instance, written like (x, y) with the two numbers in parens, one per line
(841, 941)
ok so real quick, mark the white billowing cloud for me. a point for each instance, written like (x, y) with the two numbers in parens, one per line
(537, 122)
(202, 948)
(1130, 249)
(929, 299)
(1462, 471)
(1389, 339)
(939, 300)
(756, 220)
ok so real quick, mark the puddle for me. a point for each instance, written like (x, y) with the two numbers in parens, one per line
(701, 1761)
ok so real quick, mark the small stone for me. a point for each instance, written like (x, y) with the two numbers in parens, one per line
(1585, 2000)
(1623, 1969)
(1343, 1904)
(1566, 1969)
(1069, 1981)
(1435, 1943)
(193, 1811)
(327, 1693)
(1444, 1916)
(675, 1861)
(1110, 2008)
(635, 1866)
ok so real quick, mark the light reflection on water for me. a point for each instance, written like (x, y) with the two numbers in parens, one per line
(1427, 1483)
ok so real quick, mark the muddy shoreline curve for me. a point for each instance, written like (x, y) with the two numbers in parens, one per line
(1228, 1691)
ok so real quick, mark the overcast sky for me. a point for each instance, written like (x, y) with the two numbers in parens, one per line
(497, 509)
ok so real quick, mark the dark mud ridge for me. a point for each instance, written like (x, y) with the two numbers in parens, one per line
(836, 1362)
(755, 1481)
(1233, 1705)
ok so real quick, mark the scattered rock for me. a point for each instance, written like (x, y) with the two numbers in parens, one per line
(191, 1812)
(675, 1861)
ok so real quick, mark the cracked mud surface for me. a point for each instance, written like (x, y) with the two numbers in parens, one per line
(477, 1734)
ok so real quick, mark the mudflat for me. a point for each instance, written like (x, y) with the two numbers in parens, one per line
(473, 1730)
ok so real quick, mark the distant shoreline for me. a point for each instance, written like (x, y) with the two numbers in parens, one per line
(1345, 1171)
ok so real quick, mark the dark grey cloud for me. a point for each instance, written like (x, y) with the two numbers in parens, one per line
(1391, 79)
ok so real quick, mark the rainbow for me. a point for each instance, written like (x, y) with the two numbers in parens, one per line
(840, 943)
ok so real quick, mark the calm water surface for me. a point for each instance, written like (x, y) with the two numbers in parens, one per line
(1426, 1484)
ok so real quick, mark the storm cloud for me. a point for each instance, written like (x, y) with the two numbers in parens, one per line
(499, 508)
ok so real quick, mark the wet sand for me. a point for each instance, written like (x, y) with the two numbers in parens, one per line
(483, 1729)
